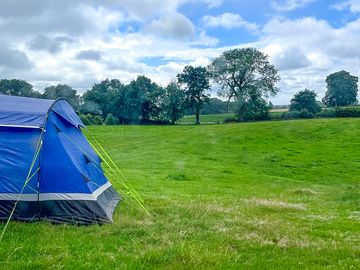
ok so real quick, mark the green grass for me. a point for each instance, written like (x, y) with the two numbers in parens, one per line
(266, 195)
(206, 119)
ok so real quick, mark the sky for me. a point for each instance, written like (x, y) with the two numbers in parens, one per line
(82, 42)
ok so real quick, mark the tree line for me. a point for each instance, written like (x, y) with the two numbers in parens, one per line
(244, 77)
(342, 89)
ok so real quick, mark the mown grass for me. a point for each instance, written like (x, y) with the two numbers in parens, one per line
(266, 195)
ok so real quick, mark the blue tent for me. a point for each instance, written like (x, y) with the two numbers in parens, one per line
(48, 167)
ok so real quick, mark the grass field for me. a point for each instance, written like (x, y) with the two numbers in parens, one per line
(219, 118)
(206, 119)
(266, 195)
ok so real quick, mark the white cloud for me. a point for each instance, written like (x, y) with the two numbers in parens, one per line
(352, 5)
(212, 3)
(229, 21)
(174, 25)
(307, 50)
(161, 43)
(148, 9)
(289, 5)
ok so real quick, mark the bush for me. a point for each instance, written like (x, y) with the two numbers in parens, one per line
(89, 119)
(230, 120)
(255, 109)
(305, 100)
(85, 119)
(275, 115)
(111, 120)
(326, 113)
(347, 111)
(290, 115)
(306, 114)
(96, 120)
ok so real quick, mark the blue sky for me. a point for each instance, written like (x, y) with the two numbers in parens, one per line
(81, 42)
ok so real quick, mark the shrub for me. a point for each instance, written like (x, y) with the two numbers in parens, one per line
(230, 120)
(276, 115)
(85, 119)
(326, 113)
(290, 115)
(347, 111)
(305, 100)
(96, 120)
(306, 114)
(110, 120)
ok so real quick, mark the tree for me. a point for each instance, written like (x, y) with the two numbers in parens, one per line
(141, 101)
(256, 108)
(217, 106)
(305, 100)
(62, 91)
(195, 81)
(16, 87)
(244, 75)
(110, 120)
(174, 102)
(341, 89)
(102, 98)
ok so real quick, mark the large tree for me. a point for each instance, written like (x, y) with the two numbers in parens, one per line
(16, 87)
(102, 97)
(245, 75)
(174, 102)
(141, 101)
(195, 81)
(62, 91)
(342, 89)
(305, 100)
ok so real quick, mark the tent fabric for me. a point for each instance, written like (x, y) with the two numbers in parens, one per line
(68, 183)
(31, 112)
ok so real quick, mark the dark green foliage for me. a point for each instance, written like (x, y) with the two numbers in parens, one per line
(217, 106)
(102, 97)
(243, 74)
(90, 106)
(254, 108)
(342, 89)
(290, 115)
(138, 102)
(141, 101)
(90, 119)
(305, 100)
(110, 120)
(347, 111)
(16, 87)
(326, 113)
(174, 102)
(304, 113)
(195, 81)
(85, 119)
(63, 91)
(96, 120)
(230, 120)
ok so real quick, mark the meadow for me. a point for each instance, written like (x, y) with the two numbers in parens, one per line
(265, 195)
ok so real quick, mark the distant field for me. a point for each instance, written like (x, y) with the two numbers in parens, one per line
(279, 110)
(266, 195)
